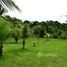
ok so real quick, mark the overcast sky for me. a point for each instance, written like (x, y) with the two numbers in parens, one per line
(41, 10)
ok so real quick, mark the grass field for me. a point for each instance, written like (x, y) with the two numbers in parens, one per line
(46, 54)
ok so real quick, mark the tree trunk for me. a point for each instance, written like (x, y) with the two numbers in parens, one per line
(23, 43)
(16, 39)
(1, 50)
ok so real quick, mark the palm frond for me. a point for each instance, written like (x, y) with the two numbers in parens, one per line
(9, 4)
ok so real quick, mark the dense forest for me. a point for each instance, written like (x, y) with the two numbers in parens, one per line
(53, 29)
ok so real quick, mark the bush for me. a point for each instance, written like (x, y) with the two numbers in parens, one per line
(63, 35)
(38, 31)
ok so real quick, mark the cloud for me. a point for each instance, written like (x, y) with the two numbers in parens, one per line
(42, 9)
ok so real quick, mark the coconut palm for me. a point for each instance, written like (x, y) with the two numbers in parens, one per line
(9, 4)
(24, 35)
(1, 10)
(4, 31)
(3, 25)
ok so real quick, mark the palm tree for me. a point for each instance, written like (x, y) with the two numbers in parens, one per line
(4, 31)
(1, 10)
(24, 35)
(9, 4)
(3, 25)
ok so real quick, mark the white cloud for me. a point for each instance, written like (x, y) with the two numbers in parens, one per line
(41, 9)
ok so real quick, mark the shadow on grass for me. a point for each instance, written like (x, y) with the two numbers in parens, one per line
(12, 43)
(18, 51)
(14, 53)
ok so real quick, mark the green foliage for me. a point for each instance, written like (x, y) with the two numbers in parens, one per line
(15, 31)
(24, 35)
(24, 32)
(63, 35)
(4, 29)
(54, 28)
(38, 31)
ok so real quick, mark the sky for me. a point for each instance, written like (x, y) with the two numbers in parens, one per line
(41, 10)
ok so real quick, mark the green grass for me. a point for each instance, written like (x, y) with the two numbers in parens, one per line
(46, 54)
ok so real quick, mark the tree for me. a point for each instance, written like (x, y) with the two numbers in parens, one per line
(16, 26)
(24, 34)
(26, 22)
(4, 30)
(15, 33)
(38, 31)
(2, 10)
(9, 4)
